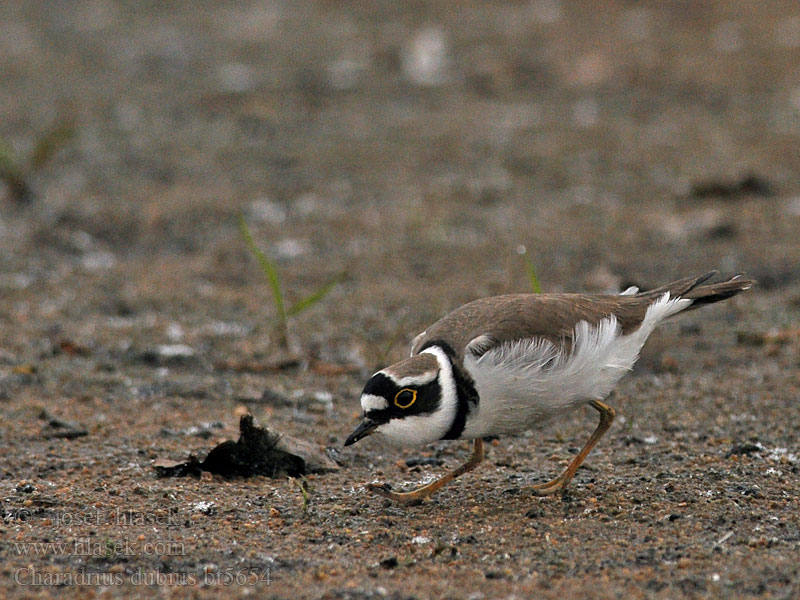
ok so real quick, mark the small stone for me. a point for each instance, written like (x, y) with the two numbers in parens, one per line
(425, 59)
(668, 364)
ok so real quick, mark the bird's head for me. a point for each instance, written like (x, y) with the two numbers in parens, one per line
(411, 402)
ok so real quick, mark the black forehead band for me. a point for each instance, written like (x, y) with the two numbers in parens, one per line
(381, 385)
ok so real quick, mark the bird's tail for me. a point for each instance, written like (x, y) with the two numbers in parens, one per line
(693, 288)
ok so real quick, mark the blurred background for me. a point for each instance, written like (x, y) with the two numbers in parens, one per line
(417, 155)
(420, 148)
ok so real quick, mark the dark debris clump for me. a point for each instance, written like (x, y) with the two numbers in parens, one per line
(258, 451)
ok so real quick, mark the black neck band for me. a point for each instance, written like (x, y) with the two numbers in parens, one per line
(466, 394)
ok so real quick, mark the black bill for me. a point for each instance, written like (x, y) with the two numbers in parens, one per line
(365, 428)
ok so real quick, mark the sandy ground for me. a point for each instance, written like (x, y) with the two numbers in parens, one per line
(414, 148)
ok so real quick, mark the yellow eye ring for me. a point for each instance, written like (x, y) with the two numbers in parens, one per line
(397, 402)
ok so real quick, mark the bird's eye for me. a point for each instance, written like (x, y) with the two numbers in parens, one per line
(405, 398)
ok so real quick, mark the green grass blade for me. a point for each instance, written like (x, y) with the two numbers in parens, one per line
(310, 300)
(12, 173)
(51, 142)
(8, 158)
(303, 485)
(535, 285)
(269, 269)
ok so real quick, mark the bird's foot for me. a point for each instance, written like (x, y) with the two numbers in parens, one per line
(407, 498)
(558, 484)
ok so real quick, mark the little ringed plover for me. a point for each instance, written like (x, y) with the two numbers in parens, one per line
(501, 365)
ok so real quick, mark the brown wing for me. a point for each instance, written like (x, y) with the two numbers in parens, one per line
(503, 319)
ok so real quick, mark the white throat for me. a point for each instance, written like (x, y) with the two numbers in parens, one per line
(423, 429)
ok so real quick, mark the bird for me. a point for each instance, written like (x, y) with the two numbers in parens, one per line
(504, 364)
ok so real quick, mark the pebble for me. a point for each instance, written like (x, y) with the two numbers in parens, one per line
(424, 57)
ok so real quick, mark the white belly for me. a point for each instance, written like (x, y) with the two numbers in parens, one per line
(529, 381)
